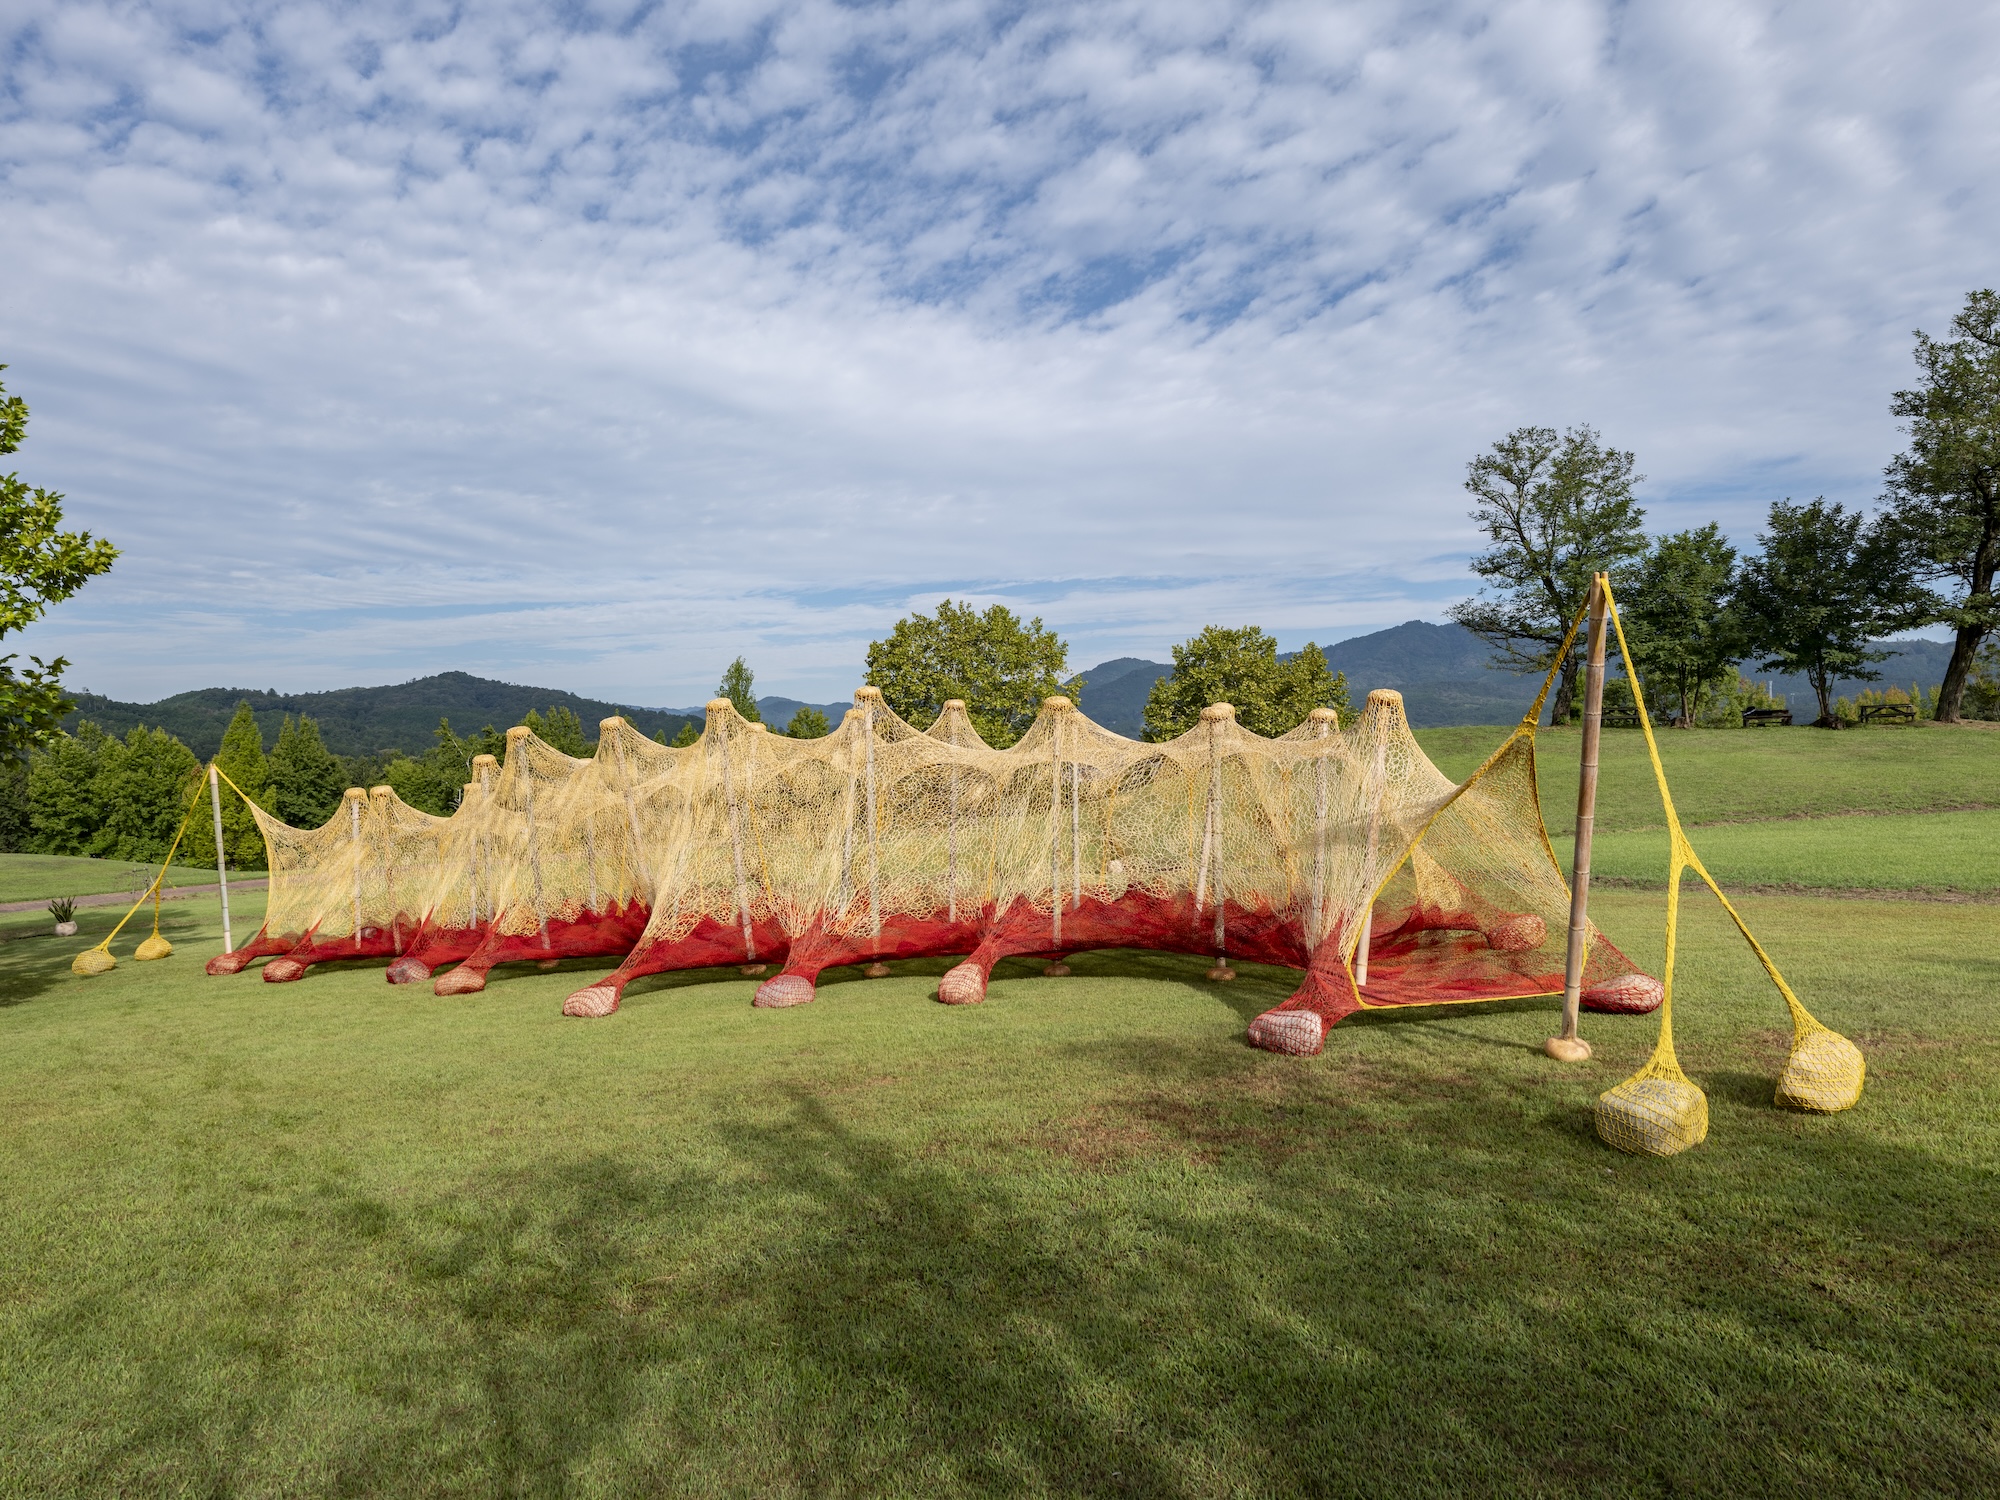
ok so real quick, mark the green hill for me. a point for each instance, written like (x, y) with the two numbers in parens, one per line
(362, 720)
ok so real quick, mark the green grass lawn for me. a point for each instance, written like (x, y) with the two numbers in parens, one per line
(1938, 852)
(1734, 775)
(342, 1238)
(41, 877)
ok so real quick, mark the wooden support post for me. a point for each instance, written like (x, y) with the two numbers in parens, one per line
(221, 864)
(718, 723)
(951, 855)
(639, 862)
(1569, 1047)
(355, 797)
(1378, 793)
(516, 739)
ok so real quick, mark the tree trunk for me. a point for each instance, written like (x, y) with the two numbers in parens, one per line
(1822, 683)
(1964, 644)
(1565, 694)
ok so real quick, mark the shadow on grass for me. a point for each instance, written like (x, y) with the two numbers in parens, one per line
(36, 964)
(1368, 1278)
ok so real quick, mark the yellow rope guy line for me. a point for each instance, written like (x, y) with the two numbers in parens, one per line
(1658, 1110)
(97, 959)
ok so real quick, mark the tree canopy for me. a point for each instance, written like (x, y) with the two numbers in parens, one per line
(1241, 668)
(739, 685)
(40, 565)
(1558, 511)
(1825, 585)
(1002, 668)
(1944, 489)
(243, 761)
(435, 780)
(808, 724)
(1680, 620)
(307, 779)
(560, 730)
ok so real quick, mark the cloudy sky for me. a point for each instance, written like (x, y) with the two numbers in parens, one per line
(591, 345)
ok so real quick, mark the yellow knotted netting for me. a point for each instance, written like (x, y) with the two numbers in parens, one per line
(750, 842)
(1658, 1111)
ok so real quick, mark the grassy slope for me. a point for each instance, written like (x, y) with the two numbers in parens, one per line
(1821, 799)
(38, 877)
(1725, 775)
(1917, 852)
(344, 1238)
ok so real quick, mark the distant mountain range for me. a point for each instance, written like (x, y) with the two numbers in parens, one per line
(1441, 671)
(1443, 674)
(363, 721)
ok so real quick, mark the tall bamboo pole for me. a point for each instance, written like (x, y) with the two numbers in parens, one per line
(221, 864)
(1569, 1047)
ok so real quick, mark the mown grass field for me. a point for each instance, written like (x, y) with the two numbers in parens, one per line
(343, 1238)
(39, 877)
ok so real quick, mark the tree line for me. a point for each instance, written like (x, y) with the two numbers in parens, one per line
(93, 793)
(1827, 583)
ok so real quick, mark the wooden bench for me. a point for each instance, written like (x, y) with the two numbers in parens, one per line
(1752, 717)
(1888, 713)
(1620, 718)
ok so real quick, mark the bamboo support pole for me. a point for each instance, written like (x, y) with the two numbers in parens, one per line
(874, 843)
(1325, 722)
(515, 737)
(1379, 789)
(385, 866)
(354, 799)
(482, 838)
(1055, 835)
(951, 855)
(1569, 1047)
(221, 863)
(735, 839)
(1209, 886)
(639, 863)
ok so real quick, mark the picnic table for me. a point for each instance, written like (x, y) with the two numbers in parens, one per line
(1888, 713)
(1752, 717)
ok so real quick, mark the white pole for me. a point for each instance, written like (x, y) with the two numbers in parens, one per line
(221, 872)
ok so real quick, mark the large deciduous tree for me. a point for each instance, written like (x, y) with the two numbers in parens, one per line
(1557, 510)
(739, 686)
(1824, 587)
(1679, 617)
(40, 565)
(1002, 668)
(1240, 667)
(1944, 489)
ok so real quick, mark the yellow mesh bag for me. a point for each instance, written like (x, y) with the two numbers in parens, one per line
(1825, 1071)
(93, 961)
(98, 960)
(1657, 1110)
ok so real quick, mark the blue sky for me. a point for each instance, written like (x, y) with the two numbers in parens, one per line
(593, 345)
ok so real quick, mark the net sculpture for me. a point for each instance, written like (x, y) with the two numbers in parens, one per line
(1338, 850)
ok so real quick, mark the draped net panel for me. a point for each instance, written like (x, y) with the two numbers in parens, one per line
(881, 840)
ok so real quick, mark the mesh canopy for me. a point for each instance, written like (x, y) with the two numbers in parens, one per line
(1336, 849)
(880, 841)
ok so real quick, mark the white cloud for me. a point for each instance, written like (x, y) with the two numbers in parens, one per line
(594, 348)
